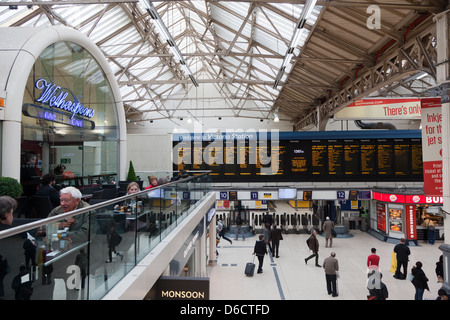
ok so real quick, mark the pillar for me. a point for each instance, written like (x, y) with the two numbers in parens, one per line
(11, 146)
(443, 87)
(212, 242)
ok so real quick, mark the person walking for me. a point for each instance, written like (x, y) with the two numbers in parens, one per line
(238, 228)
(275, 237)
(313, 245)
(439, 270)
(260, 250)
(420, 281)
(403, 252)
(267, 223)
(81, 260)
(373, 260)
(221, 230)
(328, 226)
(331, 267)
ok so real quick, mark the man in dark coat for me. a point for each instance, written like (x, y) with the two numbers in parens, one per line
(28, 175)
(260, 250)
(313, 245)
(403, 252)
(275, 237)
(47, 189)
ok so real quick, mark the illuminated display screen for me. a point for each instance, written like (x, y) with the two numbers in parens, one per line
(332, 157)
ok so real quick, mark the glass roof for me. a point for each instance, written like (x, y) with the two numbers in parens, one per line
(226, 58)
(234, 50)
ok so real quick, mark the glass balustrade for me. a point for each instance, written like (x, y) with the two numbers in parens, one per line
(82, 254)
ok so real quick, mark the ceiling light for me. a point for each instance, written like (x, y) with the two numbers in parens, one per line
(276, 119)
(298, 32)
(165, 34)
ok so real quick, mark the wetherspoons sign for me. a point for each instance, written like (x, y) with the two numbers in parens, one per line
(53, 96)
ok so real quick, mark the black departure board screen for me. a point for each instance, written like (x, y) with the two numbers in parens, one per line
(321, 156)
(351, 158)
(369, 165)
(385, 157)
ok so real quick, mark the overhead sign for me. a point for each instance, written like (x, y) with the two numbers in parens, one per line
(180, 288)
(410, 198)
(44, 113)
(381, 109)
(53, 96)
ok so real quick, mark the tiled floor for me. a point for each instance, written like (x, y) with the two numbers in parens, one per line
(288, 278)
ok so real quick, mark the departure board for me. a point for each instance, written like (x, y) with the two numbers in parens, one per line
(319, 161)
(298, 157)
(351, 157)
(402, 150)
(416, 157)
(335, 158)
(385, 157)
(368, 158)
(348, 158)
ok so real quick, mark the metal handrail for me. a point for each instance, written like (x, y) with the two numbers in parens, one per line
(35, 224)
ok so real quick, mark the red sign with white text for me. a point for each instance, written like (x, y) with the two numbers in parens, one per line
(410, 198)
(410, 230)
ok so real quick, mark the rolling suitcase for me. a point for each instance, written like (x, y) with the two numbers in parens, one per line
(250, 268)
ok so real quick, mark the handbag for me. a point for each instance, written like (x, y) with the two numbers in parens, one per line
(410, 277)
(333, 233)
(393, 262)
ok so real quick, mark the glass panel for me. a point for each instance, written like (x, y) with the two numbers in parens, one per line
(85, 257)
(69, 114)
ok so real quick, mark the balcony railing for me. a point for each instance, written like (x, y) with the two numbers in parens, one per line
(48, 261)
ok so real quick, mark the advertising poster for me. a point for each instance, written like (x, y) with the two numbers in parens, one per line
(432, 146)
(378, 109)
(381, 217)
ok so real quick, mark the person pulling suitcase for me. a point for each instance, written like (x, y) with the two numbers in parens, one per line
(260, 251)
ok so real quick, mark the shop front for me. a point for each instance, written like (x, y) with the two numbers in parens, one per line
(61, 104)
(408, 215)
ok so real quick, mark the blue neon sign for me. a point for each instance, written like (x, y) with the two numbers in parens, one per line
(53, 96)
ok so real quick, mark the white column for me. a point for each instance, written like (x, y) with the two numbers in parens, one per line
(11, 146)
(443, 84)
(212, 241)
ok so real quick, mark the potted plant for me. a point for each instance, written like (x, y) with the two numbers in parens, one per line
(10, 187)
(131, 173)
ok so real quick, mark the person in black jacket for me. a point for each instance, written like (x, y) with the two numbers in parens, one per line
(440, 269)
(260, 250)
(403, 252)
(47, 189)
(420, 280)
(275, 237)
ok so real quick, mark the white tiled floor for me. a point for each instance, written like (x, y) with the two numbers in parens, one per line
(288, 278)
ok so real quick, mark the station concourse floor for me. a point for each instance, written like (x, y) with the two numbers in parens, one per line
(289, 278)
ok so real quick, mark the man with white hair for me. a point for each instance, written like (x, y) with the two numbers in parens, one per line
(78, 225)
(327, 228)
